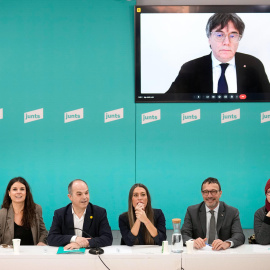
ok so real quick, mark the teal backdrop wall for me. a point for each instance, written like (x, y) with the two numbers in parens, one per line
(63, 55)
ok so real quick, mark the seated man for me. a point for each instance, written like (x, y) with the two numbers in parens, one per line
(224, 70)
(212, 222)
(80, 223)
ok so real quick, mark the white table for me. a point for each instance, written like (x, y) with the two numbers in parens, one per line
(246, 257)
(116, 258)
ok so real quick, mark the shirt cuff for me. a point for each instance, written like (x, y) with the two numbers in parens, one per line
(73, 239)
(232, 244)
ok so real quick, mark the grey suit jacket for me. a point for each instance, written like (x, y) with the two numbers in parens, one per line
(228, 224)
(38, 229)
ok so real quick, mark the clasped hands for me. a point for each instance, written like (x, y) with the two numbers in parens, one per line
(80, 242)
(216, 245)
(140, 213)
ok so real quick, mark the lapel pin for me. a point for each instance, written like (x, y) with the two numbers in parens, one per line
(244, 66)
(91, 217)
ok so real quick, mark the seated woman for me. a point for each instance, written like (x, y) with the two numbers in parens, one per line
(262, 220)
(20, 217)
(141, 225)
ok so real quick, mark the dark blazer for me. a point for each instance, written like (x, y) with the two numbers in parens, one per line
(129, 239)
(262, 226)
(95, 224)
(228, 224)
(38, 229)
(195, 76)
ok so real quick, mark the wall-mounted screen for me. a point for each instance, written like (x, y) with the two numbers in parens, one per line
(202, 54)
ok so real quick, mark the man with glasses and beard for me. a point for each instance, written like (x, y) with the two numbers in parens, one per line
(224, 70)
(212, 222)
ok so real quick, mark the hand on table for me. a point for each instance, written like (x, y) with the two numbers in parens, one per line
(73, 245)
(199, 243)
(219, 244)
(41, 244)
(82, 241)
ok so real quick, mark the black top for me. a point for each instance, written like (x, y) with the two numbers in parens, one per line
(129, 239)
(23, 233)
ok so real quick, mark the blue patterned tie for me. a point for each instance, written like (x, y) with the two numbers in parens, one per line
(222, 83)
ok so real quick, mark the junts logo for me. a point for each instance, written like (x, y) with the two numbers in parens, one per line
(113, 115)
(190, 116)
(230, 116)
(150, 117)
(73, 115)
(33, 115)
(265, 117)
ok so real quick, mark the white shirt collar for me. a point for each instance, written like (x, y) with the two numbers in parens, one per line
(216, 63)
(208, 209)
(73, 213)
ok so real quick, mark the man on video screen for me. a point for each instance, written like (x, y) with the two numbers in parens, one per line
(224, 70)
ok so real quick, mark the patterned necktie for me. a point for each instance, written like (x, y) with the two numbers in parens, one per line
(212, 228)
(222, 83)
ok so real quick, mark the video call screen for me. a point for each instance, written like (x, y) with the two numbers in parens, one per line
(173, 58)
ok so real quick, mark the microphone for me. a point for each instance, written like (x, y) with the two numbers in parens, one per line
(94, 251)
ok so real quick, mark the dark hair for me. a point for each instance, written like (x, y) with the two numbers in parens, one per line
(211, 180)
(222, 20)
(148, 211)
(71, 183)
(29, 210)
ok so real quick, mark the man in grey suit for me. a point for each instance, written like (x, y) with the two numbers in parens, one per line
(212, 222)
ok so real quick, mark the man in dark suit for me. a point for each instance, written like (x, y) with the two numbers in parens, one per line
(80, 223)
(224, 70)
(212, 222)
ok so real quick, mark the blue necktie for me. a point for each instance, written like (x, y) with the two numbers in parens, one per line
(222, 83)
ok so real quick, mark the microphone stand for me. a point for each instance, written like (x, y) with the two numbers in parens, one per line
(96, 250)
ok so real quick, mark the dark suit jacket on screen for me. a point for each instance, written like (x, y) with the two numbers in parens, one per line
(38, 229)
(95, 224)
(228, 224)
(195, 76)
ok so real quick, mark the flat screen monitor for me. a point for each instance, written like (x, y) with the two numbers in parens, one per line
(177, 60)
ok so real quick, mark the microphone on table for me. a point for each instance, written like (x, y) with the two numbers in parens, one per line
(94, 251)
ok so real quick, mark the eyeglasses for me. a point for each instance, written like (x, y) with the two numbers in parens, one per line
(220, 37)
(268, 193)
(213, 192)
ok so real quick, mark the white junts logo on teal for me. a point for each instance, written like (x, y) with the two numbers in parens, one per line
(151, 116)
(230, 116)
(1, 113)
(113, 115)
(190, 116)
(265, 117)
(33, 115)
(73, 115)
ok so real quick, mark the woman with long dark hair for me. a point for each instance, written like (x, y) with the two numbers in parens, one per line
(262, 219)
(20, 217)
(141, 225)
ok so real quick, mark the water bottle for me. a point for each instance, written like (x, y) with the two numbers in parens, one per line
(177, 241)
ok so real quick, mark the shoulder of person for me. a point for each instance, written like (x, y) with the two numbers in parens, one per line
(157, 211)
(195, 207)
(97, 208)
(227, 207)
(199, 61)
(63, 209)
(3, 212)
(260, 211)
(123, 215)
(249, 59)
